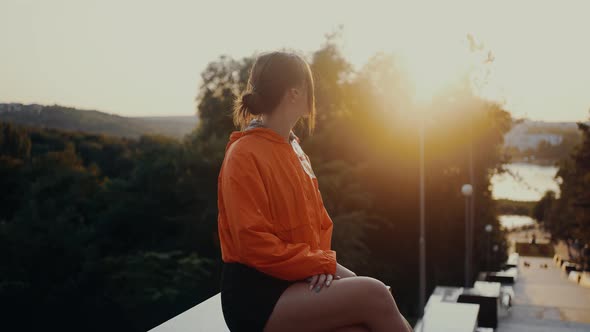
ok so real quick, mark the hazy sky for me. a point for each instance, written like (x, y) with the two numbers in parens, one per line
(145, 57)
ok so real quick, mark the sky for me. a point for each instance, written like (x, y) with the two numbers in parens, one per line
(144, 58)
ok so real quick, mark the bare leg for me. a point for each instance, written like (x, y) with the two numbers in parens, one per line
(352, 328)
(343, 272)
(345, 303)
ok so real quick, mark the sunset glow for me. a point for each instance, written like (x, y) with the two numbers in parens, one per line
(135, 58)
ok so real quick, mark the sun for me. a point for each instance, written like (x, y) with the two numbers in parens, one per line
(433, 65)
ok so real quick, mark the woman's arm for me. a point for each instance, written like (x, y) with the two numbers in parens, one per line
(247, 208)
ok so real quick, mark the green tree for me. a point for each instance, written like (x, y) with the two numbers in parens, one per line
(543, 207)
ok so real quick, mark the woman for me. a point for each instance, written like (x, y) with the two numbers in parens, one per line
(279, 273)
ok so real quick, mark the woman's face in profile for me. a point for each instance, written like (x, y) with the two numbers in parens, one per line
(301, 103)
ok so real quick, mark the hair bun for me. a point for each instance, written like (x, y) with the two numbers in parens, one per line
(252, 102)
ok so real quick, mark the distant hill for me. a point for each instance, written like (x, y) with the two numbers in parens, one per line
(92, 121)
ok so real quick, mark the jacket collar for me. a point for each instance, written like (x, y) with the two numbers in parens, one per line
(256, 127)
(257, 123)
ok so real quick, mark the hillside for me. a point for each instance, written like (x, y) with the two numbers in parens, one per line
(92, 121)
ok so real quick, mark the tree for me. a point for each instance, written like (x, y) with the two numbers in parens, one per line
(543, 207)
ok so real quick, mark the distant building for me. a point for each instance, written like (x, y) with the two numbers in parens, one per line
(528, 134)
(17, 107)
(10, 107)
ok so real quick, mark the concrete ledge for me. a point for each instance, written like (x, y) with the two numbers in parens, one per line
(574, 276)
(568, 267)
(205, 316)
(448, 317)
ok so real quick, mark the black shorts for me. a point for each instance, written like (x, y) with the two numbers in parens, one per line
(248, 296)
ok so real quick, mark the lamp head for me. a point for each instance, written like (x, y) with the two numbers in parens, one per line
(467, 190)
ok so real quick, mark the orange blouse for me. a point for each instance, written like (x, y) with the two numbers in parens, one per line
(271, 213)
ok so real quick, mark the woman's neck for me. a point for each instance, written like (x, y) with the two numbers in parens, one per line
(278, 124)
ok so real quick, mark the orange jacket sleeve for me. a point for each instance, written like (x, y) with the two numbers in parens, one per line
(326, 228)
(247, 208)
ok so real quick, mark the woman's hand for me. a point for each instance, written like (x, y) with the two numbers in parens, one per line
(319, 280)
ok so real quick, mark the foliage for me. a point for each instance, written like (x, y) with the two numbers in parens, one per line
(94, 250)
(567, 217)
(510, 207)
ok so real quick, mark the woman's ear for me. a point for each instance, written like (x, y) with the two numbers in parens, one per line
(294, 94)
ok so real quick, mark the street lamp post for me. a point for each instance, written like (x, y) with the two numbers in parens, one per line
(488, 229)
(472, 200)
(495, 249)
(422, 240)
(467, 191)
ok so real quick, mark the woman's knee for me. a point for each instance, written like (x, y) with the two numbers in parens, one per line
(379, 297)
(374, 287)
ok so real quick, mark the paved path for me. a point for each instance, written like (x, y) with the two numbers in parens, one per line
(541, 236)
(546, 301)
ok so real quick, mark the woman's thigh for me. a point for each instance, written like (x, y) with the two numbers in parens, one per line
(345, 303)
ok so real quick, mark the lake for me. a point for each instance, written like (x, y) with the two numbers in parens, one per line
(529, 183)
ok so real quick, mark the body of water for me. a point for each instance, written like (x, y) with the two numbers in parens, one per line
(527, 182)
(512, 221)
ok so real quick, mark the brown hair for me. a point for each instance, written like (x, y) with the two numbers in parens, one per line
(271, 76)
